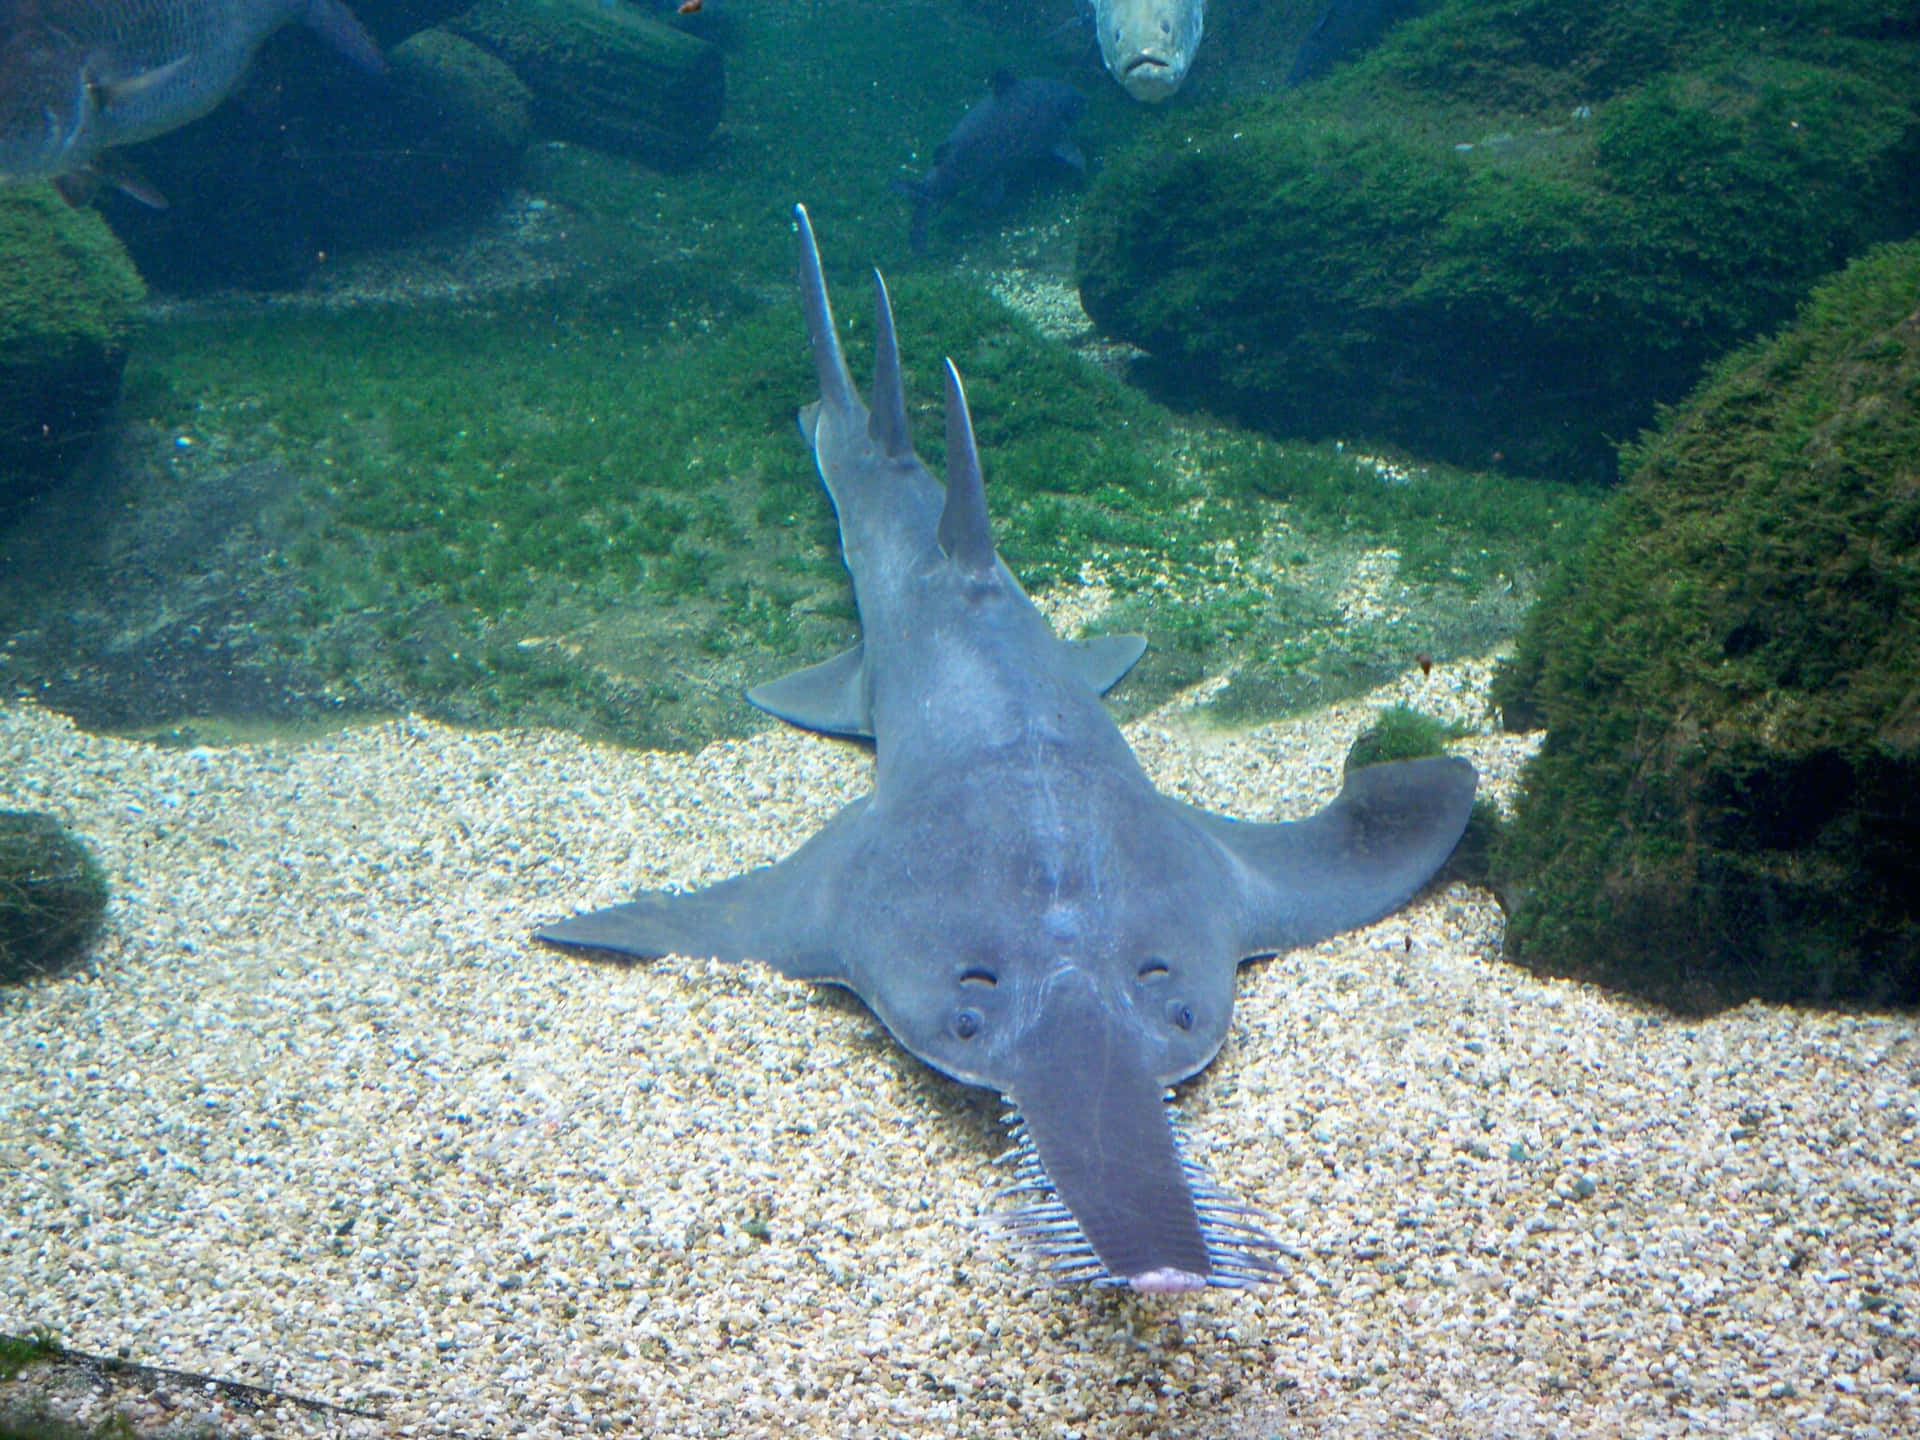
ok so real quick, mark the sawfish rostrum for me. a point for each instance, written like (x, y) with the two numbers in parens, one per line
(1014, 899)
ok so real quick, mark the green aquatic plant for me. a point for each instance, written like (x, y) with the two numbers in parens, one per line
(53, 897)
(598, 512)
(1401, 733)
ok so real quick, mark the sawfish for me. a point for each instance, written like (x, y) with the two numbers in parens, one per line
(1014, 899)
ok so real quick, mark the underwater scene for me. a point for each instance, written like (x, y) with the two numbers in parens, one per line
(1077, 718)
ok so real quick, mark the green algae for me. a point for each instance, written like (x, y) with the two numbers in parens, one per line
(69, 299)
(596, 510)
(53, 897)
(1512, 231)
(1723, 806)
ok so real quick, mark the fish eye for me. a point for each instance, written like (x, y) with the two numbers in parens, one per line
(968, 1023)
(1153, 971)
(1180, 1014)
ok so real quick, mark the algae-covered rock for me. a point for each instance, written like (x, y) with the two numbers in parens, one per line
(68, 299)
(1513, 231)
(317, 161)
(604, 76)
(1727, 802)
(52, 896)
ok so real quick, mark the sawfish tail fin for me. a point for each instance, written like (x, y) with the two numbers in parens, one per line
(1109, 1197)
(966, 534)
(829, 363)
(1385, 835)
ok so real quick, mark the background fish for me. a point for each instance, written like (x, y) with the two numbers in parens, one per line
(1148, 44)
(78, 77)
(1022, 124)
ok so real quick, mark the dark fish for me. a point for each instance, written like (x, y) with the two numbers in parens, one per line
(79, 77)
(1023, 124)
(1345, 27)
(1014, 900)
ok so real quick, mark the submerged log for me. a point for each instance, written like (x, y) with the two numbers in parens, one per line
(606, 77)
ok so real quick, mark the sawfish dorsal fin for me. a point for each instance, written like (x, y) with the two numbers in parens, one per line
(830, 365)
(965, 532)
(887, 424)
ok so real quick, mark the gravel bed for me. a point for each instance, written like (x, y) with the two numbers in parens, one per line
(319, 1118)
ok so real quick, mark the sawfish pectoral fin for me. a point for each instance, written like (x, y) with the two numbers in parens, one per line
(780, 915)
(1102, 661)
(830, 697)
(1384, 836)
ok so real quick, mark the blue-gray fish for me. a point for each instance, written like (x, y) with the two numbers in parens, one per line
(1015, 901)
(1024, 123)
(80, 77)
(1148, 45)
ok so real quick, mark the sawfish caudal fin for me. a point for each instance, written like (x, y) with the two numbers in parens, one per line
(1111, 1198)
(1384, 836)
(781, 915)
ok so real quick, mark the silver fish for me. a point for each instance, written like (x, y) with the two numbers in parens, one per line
(1148, 44)
(79, 77)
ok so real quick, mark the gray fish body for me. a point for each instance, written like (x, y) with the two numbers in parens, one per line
(1025, 122)
(1148, 45)
(1014, 900)
(78, 77)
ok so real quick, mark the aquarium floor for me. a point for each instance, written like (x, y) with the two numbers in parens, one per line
(320, 1118)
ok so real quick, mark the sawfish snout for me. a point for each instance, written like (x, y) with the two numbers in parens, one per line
(1113, 1199)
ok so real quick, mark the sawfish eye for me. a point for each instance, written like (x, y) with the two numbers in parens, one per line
(967, 1023)
(977, 976)
(1180, 1014)
(1153, 971)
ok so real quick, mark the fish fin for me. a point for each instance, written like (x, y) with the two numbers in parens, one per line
(1102, 660)
(107, 93)
(1384, 836)
(830, 697)
(829, 363)
(965, 533)
(334, 23)
(887, 420)
(124, 177)
(780, 915)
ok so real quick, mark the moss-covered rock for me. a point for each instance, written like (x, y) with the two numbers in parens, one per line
(319, 160)
(68, 301)
(606, 76)
(1514, 230)
(1727, 803)
(52, 896)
